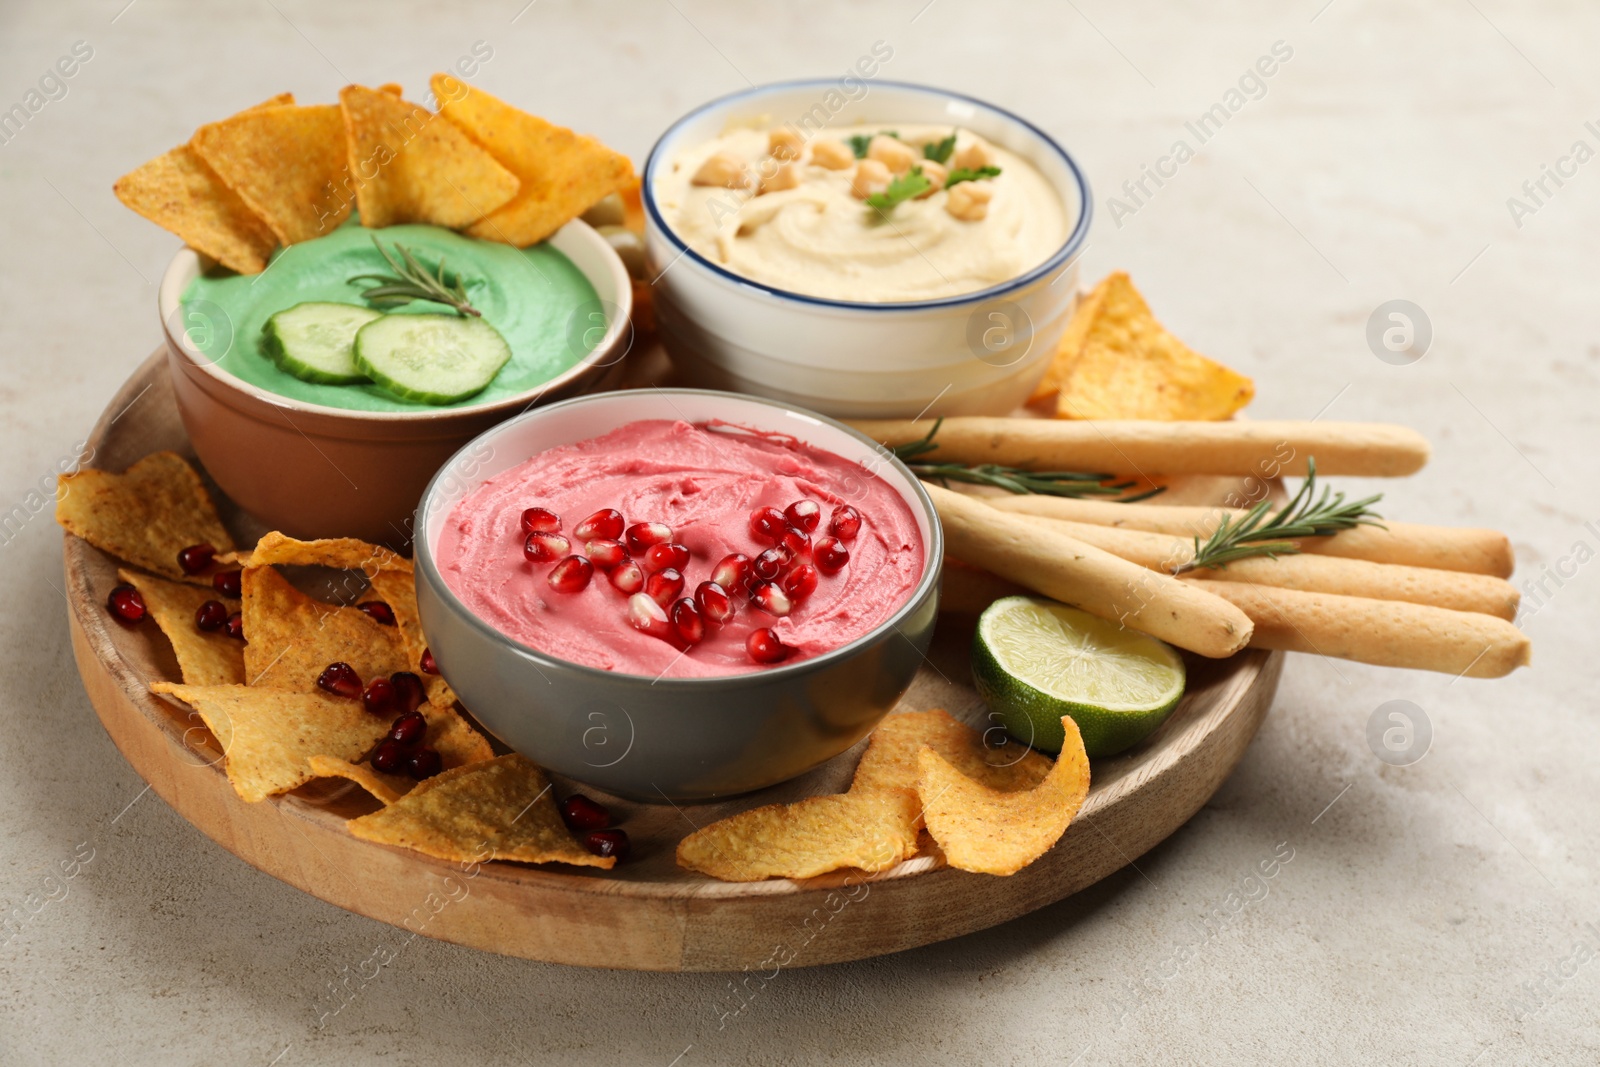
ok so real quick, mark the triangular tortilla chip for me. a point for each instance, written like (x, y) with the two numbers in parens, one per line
(184, 196)
(342, 553)
(457, 743)
(1130, 367)
(388, 788)
(272, 734)
(501, 809)
(871, 831)
(412, 167)
(286, 162)
(563, 174)
(1071, 342)
(290, 637)
(398, 589)
(203, 658)
(145, 515)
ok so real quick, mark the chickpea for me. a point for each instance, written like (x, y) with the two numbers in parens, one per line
(969, 201)
(895, 154)
(785, 143)
(935, 173)
(786, 176)
(871, 177)
(974, 156)
(724, 169)
(834, 155)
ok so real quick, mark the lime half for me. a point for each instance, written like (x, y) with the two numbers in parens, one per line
(1035, 660)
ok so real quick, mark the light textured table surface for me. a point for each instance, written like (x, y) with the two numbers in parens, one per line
(1431, 913)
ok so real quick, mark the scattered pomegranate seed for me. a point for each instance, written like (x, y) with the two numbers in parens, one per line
(540, 520)
(195, 558)
(605, 552)
(211, 616)
(687, 621)
(409, 693)
(424, 763)
(126, 604)
(389, 757)
(803, 515)
(544, 547)
(670, 554)
(646, 616)
(341, 680)
(581, 813)
(378, 611)
(845, 522)
(429, 664)
(605, 524)
(628, 576)
(409, 728)
(764, 646)
(795, 542)
(830, 555)
(715, 605)
(767, 566)
(570, 575)
(228, 583)
(379, 696)
(665, 586)
(767, 524)
(608, 843)
(800, 582)
(641, 535)
(732, 571)
(236, 626)
(770, 598)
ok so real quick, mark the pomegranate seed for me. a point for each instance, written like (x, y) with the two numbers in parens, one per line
(800, 582)
(608, 843)
(641, 535)
(605, 552)
(409, 693)
(409, 728)
(795, 542)
(646, 616)
(195, 558)
(769, 564)
(715, 605)
(732, 571)
(228, 583)
(126, 604)
(341, 680)
(771, 598)
(830, 555)
(605, 524)
(540, 520)
(687, 621)
(660, 557)
(236, 626)
(570, 575)
(544, 547)
(665, 586)
(429, 664)
(379, 696)
(581, 813)
(389, 757)
(424, 763)
(378, 611)
(767, 524)
(764, 646)
(211, 616)
(845, 522)
(628, 576)
(803, 515)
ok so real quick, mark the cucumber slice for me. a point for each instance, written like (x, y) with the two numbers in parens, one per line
(434, 359)
(313, 341)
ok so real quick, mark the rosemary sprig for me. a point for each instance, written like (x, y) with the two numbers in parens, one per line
(412, 281)
(1257, 534)
(1013, 479)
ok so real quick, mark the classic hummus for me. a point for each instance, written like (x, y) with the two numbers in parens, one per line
(704, 483)
(795, 210)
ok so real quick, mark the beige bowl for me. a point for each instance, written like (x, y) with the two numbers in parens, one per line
(316, 471)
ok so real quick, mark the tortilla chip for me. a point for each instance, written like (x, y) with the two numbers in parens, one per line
(563, 174)
(272, 734)
(184, 196)
(203, 658)
(290, 637)
(398, 589)
(992, 832)
(890, 761)
(413, 168)
(1130, 367)
(870, 830)
(146, 515)
(502, 809)
(1071, 342)
(392, 88)
(342, 553)
(388, 788)
(457, 743)
(286, 162)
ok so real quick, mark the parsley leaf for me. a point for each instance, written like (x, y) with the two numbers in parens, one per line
(901, 189)
(939, 151)
(860, 142)
(967, 174)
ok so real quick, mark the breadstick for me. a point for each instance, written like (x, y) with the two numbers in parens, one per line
(1386, 633)
(1068, 570)
(1148, 447)
(1449, 548)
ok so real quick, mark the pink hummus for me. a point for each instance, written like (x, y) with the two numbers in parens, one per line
(704, 483)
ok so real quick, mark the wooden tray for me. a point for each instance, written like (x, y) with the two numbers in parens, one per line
(647, 914)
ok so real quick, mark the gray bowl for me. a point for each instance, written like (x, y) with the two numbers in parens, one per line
(672, 738)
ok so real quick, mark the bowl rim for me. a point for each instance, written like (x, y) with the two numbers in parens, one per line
(169, 292)
(927, 584)
(1075, 238)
